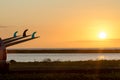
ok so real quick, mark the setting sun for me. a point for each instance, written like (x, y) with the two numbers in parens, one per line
(102, 35)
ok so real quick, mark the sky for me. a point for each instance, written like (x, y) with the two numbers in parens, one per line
(62, 23)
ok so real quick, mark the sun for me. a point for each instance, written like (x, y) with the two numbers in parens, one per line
(102, 35)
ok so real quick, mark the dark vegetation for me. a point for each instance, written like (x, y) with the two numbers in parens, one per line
(78, 70)
(64, 51)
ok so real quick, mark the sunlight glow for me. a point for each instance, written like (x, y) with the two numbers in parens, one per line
(101, 57)
(102, 35)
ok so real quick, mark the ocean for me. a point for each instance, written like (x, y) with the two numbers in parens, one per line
(32, 57)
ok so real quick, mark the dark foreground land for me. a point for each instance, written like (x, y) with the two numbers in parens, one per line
(80, 70)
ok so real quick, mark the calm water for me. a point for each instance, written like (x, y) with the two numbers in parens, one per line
(63, 57)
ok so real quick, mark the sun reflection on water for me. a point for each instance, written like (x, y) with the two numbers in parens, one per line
(101, 57)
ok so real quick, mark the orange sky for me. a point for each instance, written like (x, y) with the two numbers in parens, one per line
(62, 23)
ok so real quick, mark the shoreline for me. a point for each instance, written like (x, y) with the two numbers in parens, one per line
(89, 67)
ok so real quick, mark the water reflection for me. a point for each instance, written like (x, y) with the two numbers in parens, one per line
(102, 57)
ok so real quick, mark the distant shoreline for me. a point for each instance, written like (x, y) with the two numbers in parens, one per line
(63, 51)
